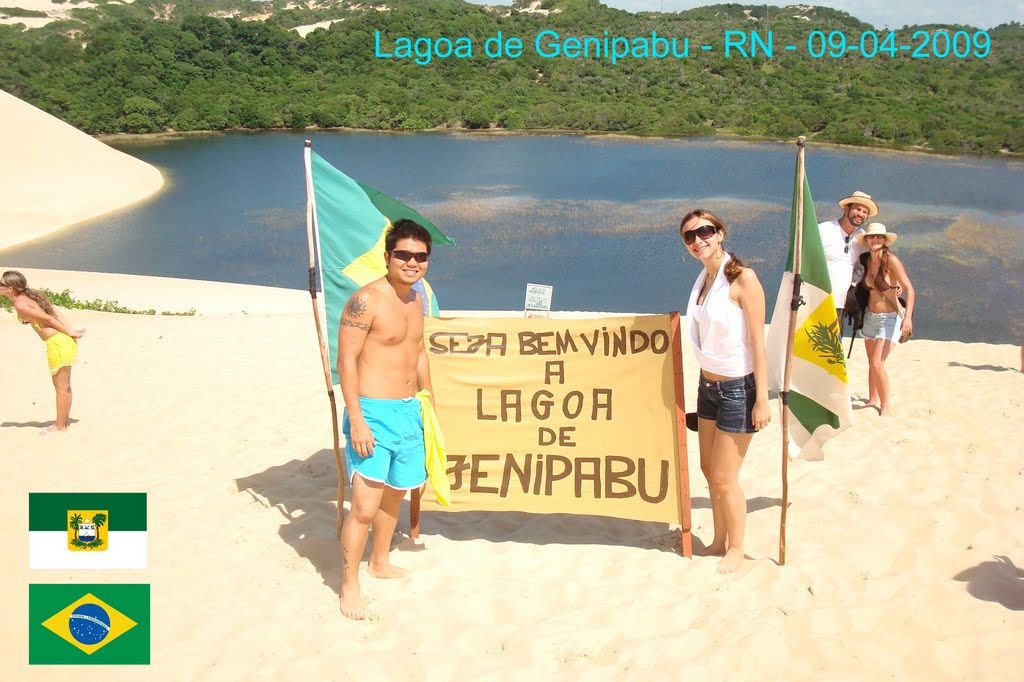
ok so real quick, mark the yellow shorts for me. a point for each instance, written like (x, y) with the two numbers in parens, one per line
(61, 351)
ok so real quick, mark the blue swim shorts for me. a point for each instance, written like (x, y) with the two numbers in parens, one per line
(729, 403)
(398, 459)
(882, 326)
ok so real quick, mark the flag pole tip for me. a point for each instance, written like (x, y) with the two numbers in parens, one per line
(801, 141)
(309, 143)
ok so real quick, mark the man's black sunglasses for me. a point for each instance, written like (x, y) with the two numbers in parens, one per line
(420, 256)
(704, 232)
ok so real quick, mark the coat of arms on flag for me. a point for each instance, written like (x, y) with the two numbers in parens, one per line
(88, 624)
(87, 530)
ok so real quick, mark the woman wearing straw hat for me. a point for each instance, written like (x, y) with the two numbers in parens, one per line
(885, 321)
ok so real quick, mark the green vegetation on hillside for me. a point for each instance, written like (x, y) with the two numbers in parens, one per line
(149, 66)
(65, 299)
(21, 12)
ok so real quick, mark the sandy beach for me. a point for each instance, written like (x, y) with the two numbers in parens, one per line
(904, 545)
(905, 553)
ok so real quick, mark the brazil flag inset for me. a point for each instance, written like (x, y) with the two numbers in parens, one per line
(88, 624)
(87, 530)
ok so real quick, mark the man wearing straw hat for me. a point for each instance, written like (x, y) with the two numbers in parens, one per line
(842, 249)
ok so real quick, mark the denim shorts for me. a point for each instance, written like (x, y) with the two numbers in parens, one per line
(729, 403)
(882, 326)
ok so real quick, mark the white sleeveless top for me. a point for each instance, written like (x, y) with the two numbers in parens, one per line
(718, 328)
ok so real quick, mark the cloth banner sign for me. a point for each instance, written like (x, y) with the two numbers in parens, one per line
(571, 416)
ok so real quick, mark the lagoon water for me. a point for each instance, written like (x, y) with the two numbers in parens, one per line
(595, 217)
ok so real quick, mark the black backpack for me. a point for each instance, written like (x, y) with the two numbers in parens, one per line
(853, 310)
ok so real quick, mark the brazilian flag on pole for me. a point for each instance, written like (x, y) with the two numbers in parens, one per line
(88, 624)
(350, 220)
(819, 396)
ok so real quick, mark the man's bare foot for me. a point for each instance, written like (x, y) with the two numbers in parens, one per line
(386, 570)
(884, 411)
(351, 606)
(731, 562)
(714, 549)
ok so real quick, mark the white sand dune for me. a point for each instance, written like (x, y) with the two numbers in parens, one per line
(54, 175)
(53, 11)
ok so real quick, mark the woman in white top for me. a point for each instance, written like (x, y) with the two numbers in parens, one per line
(725, 320)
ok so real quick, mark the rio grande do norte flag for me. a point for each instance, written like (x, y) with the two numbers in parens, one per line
(87, 530)
(88, 625)
(819, 391)
(351, 220)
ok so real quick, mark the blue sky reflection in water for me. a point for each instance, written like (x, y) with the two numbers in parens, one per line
(595, 217)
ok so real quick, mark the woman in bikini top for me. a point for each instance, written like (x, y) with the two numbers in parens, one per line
(881, 294)
(882, 273)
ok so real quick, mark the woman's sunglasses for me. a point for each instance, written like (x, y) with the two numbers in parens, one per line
(704, 232)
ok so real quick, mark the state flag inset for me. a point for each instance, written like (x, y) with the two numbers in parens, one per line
(87, 530)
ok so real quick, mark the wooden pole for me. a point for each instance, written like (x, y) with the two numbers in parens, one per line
(682, 466)
(310, 219)
(798, 243)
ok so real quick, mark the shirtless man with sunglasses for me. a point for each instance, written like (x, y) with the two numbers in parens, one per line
(382, 363)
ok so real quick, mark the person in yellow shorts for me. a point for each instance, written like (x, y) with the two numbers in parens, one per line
(34, 308)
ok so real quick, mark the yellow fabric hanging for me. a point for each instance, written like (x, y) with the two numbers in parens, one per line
(433, 442)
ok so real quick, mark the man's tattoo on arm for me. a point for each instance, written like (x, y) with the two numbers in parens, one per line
(355, 307)
(358, 325)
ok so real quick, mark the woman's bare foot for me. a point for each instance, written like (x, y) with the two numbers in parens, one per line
(351, 603)
(714, 549)
(50, 430)
(731, 562)
(884, 410)
(386, 570)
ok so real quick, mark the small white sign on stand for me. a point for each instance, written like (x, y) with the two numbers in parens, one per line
(538, 300)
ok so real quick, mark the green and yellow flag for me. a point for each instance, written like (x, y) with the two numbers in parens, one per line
(351, 220)
(819, 391)
(88, 624)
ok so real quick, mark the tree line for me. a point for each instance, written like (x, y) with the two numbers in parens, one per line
(137, 68)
